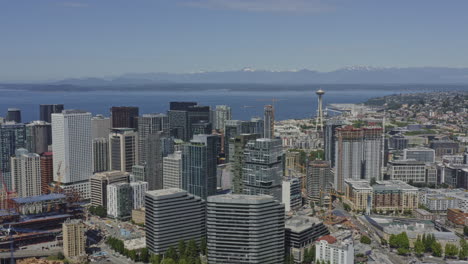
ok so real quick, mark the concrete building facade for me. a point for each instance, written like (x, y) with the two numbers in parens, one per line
(245, 229)
(173, 215)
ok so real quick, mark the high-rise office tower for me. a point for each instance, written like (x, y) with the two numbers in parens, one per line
(46, 111)
(153, 161)
(202, 127)
(124, 116)
(74, 238)
(12, 137)
(269, 119)
(195, 115)
(358, 155)
(237, 159)
(152, 123)
(14, 115)
(151, 129)
(222, 113)
(100, 154)
(263, 169)
(26, 173)
(119, 200)
(139, 188)
(373, 153)
(234, 128)
(200, 165)
(173, 215)
(123, 149)
(178, 119)
(72, 146)
(181, 106)
(101, 126)
(99, 183)
(38, 136)
(319, 178)
(172, 170)
(329, 139)
(245, 229)
(47, 171)
(319, 119)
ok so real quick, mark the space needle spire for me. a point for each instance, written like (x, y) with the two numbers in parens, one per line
(319, 119)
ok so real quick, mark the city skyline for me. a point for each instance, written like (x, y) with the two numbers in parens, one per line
(52, 40)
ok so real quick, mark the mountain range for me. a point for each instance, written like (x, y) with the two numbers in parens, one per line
(348, 75)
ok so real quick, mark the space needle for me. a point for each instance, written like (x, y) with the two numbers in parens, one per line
(319, 120)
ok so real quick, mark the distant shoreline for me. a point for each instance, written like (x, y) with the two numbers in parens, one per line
(232, 87)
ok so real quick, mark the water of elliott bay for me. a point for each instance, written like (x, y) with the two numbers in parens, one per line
(245, 104)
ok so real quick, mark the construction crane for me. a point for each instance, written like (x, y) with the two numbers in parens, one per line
(57, 188)
(6, 195)
(332, 193)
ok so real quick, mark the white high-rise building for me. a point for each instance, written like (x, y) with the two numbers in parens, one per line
(26, 173)
(222, 114)
(139, 189)
(328, 250)
(172, 170)
(72, 146)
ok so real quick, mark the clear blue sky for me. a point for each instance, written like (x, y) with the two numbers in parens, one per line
(55, 39)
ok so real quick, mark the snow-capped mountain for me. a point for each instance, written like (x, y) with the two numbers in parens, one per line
(349, 75)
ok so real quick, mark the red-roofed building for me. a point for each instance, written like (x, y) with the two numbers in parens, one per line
(328, 238)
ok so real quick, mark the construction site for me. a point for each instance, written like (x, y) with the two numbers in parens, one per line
(37, 219)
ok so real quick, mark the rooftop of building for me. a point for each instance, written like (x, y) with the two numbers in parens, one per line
(419, 149)
(166, 192)
(407, 162)
(392, 185)
(299, 224)
(330, 239)
(240, 199)
(39, 198)
(110, 174)
(422, 212)
(359, 184)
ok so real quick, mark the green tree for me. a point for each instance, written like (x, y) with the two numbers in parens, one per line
(203, 246)
(309, 254)
(60, 256)
(366, 240)
(346, 207)
(463, 252)
(465, 230)
(393, 241)
(288, 259)
(168, 261)
(144, 255)
(183, 261)
(192, 249)
(403, 240)
(402, 251)
(132, 255)
(171, 253)
(437, 249)
(182, 248)
(419, 247)
(383, 242)
(429, 242)
(451, 250)
(155, 259)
